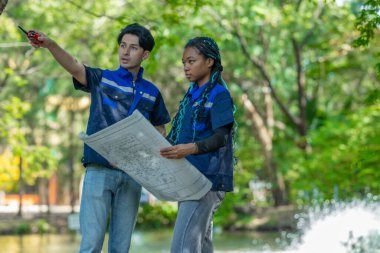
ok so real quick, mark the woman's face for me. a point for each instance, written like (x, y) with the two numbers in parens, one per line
(196, 66)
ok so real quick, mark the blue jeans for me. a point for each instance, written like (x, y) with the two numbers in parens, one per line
(193, 226)
(106, 190)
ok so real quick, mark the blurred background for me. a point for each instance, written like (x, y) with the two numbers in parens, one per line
(303, 75)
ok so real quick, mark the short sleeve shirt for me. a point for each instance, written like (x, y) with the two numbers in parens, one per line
(114, 96)
(216, 112)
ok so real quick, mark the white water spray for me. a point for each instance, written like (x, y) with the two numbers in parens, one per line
(337, 228)
(342, 229)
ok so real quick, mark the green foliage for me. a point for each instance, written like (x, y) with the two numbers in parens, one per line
(42, 163)
(341, 87)
(156, 216)
(344, 161)
(368, 22)
(248, 167)
(42, 226)
(12, 110)
(22, 228)
(226, 215)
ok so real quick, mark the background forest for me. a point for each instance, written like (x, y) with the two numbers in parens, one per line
(302, 74)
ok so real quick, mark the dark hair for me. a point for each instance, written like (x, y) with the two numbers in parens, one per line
(209, 49)
(146, 40)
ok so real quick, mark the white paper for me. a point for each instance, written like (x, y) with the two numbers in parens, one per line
(133, 145)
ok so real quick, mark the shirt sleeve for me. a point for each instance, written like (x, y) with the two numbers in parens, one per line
(215, 141)
(93, 77)
(222, 110)
(160, 115)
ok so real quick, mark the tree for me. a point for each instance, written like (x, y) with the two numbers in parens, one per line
(299, 52)
(290, 66)
(368, 24)
(33, 77)
(3, 3)
(344, 162)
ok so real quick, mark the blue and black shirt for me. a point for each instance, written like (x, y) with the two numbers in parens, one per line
(114, 96)
(217, 112)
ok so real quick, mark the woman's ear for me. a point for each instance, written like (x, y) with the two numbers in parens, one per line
(210, 62)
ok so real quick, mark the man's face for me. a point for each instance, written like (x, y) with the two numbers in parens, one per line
(130, 53)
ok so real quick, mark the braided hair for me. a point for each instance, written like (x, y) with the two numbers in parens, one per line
(207, 47)
(177, 120)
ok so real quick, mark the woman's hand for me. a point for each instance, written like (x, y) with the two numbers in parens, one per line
(179, 151)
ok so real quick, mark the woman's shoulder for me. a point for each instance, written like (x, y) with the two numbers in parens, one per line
(220, 91)
(220, 87)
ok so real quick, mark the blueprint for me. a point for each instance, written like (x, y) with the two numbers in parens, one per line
(133, 145)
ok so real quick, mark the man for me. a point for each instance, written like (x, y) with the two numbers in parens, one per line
(115, 94)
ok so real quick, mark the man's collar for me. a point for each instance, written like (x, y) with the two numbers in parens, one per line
(125, 73)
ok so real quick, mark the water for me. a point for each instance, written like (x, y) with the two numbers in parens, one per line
(143, 242)
(339, 228)
(333, 228)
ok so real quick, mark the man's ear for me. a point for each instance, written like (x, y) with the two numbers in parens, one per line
(145, 55)
(209, 62)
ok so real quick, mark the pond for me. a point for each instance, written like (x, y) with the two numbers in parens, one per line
(142, 242)
(338, 227)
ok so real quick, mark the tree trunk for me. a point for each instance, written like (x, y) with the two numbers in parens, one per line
(71, 160)
(278, 191)
(301, 98)
(44, 193)
(3, 3)
(21, 188)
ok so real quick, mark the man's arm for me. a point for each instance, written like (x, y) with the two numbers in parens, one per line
(68, 62)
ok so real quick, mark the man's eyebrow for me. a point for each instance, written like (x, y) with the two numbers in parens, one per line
(132, 44)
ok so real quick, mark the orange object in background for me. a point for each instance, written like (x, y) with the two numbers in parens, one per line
(13, 199)
(53, 189)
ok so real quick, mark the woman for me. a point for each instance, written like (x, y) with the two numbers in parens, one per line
(202, 132)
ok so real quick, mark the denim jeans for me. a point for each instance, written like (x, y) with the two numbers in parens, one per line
(108, 190)
(193, 226)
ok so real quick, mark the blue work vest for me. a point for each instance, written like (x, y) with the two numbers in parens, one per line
(114, 96)
(216, 112)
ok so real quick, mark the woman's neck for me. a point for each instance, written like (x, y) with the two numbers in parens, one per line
(203, 81)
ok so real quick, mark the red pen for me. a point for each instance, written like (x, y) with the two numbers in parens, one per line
(32, 35)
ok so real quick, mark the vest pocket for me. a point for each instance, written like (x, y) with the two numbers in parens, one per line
(145, 107)
(117, 101)
(115, 94)
(202, 119)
